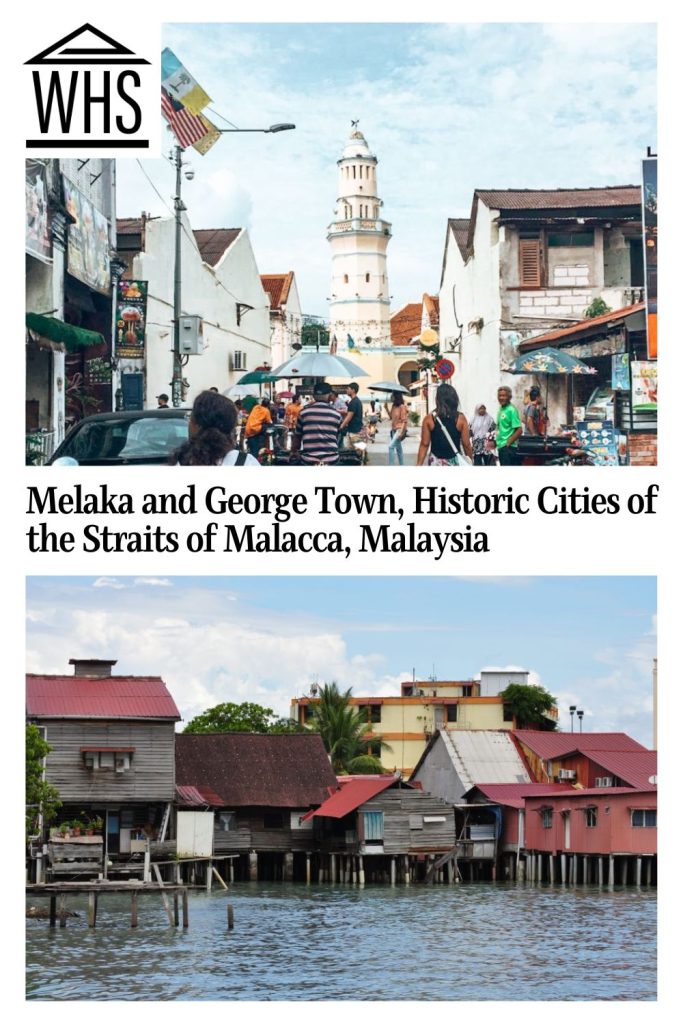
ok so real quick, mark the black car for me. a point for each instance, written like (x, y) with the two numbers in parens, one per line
(144, 438)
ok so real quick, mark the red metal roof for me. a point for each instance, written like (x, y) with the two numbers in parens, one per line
(554, 744)
(277, 287)
(97, 697)
(255, 770)
(559, 198)
(567, 334)
(635, 767)
(513, 794)
(198, 796)
(355, 791)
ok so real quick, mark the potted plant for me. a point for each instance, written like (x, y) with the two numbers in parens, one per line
(64, 829)
(95, 825)
(76, 826)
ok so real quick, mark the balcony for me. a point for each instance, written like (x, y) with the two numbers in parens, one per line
(358, 224)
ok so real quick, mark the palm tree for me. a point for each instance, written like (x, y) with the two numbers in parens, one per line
(345, 732)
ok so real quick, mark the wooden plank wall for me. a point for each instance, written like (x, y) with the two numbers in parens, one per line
(399, 805)
(150, 777)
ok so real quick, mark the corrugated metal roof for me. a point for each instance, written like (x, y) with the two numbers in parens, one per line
(351, 795)
(483, 755)
(554, 744)
(559, 198)
(198, 796)
(635, 767)
(460, 226)
(97, 697)
(567, 334)
(128, 225)
(254, 770)
(212, 242)
(513, 794)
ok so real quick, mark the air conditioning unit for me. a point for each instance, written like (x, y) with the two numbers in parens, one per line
(567, 773)
(604, 781)
(239, 360)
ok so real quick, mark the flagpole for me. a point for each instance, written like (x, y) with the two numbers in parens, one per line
(177, 380)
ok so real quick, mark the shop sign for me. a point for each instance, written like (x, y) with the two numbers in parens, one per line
(37, 234)
(621, 372)
(650, 242)
(600, 437)
(644, 386)
(131, 318)
(88, 250)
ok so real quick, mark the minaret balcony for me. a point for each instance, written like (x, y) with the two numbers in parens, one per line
(380, 227)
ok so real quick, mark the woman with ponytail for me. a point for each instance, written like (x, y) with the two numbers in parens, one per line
(212, 435)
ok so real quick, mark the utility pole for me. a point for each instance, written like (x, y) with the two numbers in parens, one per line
(177, 381)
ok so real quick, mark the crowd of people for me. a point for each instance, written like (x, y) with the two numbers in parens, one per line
(322, 425)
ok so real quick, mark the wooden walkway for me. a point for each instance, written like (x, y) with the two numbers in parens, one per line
(57, 893)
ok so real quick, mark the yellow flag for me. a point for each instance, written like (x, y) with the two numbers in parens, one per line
(204, 144)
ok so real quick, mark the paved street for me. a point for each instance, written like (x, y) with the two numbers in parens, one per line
(377, 452)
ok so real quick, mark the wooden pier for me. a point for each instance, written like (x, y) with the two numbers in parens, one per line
(57, 893)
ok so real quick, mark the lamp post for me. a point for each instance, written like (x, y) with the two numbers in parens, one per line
(179, 206)
(579, 715)
(572, 709)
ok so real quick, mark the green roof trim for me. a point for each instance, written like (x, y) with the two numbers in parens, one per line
(71, 337)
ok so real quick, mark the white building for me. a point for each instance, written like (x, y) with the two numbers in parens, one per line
(527, 262)
(285, 315)
(220, 284)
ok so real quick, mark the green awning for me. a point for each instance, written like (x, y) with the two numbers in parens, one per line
(71, 337)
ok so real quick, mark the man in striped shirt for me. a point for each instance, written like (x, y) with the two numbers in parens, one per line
(316, 436)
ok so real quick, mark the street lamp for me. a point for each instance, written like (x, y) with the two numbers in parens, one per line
(579, 715)
(572, 709)
(179, 206)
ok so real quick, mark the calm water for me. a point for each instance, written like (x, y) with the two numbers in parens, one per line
(475, 942)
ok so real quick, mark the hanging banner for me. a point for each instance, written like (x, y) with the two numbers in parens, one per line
(650, 239)
(131, 317)
(88, 249)
(37, 234)
(621, 375)
(644, 386)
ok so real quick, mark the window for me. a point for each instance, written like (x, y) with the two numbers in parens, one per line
(573, 239)
(273, 819)
(604, 781)
(591, 817)
(374, 750)
(644, 818)
(373, 712)
(530, 262)
(107, 759)
(547, 817)
(451, 712)
(227, 821)
(373, 827)
(507, 713)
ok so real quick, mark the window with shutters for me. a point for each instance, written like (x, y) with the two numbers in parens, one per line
(530, 262)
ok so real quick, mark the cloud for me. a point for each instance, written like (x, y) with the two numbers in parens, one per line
(151, 581)
(109, 581)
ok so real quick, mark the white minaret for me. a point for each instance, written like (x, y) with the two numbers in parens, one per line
(359, 302)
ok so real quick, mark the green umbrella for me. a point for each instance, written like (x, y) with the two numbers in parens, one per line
(257, 377)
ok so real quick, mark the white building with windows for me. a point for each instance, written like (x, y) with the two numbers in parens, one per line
(220, 284)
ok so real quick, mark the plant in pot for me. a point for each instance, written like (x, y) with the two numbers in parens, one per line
(76, 826)
(96, 824)
(64, 829)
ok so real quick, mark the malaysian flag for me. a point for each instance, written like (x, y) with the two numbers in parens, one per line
(188, 128)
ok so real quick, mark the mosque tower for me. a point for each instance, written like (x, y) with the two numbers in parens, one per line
(359, 302)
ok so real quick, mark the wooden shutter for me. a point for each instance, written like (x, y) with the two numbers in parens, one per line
(530, 262)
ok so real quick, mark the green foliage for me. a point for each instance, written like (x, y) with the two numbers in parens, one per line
(413, 418)
(597, 308)
(529, 705)
(244, 717)
(365, 764)
(346, 732)
(41, 798)
(314, 333)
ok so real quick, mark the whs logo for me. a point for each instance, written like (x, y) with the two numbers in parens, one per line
(90, 92)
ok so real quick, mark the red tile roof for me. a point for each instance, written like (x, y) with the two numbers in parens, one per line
(277, 287)
(565, 335)
(559, 198)
(212, 242)
(512, 794)
(95, 697)
(352, 794)
(555, 744)
(254, 770)
(406, 324)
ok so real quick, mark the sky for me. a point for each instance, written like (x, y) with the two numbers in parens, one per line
(590, 641)
(446, 108)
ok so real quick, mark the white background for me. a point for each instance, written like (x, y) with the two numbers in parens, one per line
(539, 544)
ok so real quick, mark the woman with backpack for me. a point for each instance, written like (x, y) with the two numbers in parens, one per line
(212, 435)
